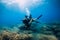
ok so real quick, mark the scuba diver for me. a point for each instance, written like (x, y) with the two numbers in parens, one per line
(28, 21)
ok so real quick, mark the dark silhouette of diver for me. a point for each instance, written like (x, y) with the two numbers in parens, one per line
(28, 21)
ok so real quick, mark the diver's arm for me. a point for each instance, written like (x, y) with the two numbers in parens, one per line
(31, 21)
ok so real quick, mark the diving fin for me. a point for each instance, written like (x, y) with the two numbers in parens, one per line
(39, 17)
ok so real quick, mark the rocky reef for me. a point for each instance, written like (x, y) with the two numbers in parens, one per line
(44, 32)
(15, 36)
(25, 36)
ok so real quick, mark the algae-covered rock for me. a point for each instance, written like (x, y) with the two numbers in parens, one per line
(5, 35)
(47, 37)
(0, 38)
(45, 33)
(26, 36)
(15, 36)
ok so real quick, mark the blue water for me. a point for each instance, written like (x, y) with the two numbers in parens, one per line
(13, 15)
(10, 20)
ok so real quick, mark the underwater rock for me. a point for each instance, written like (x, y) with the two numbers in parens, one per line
(5, 35)
(35, 33)
(47, 37)
(15, 36)
(0, 38)
(25, 36)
